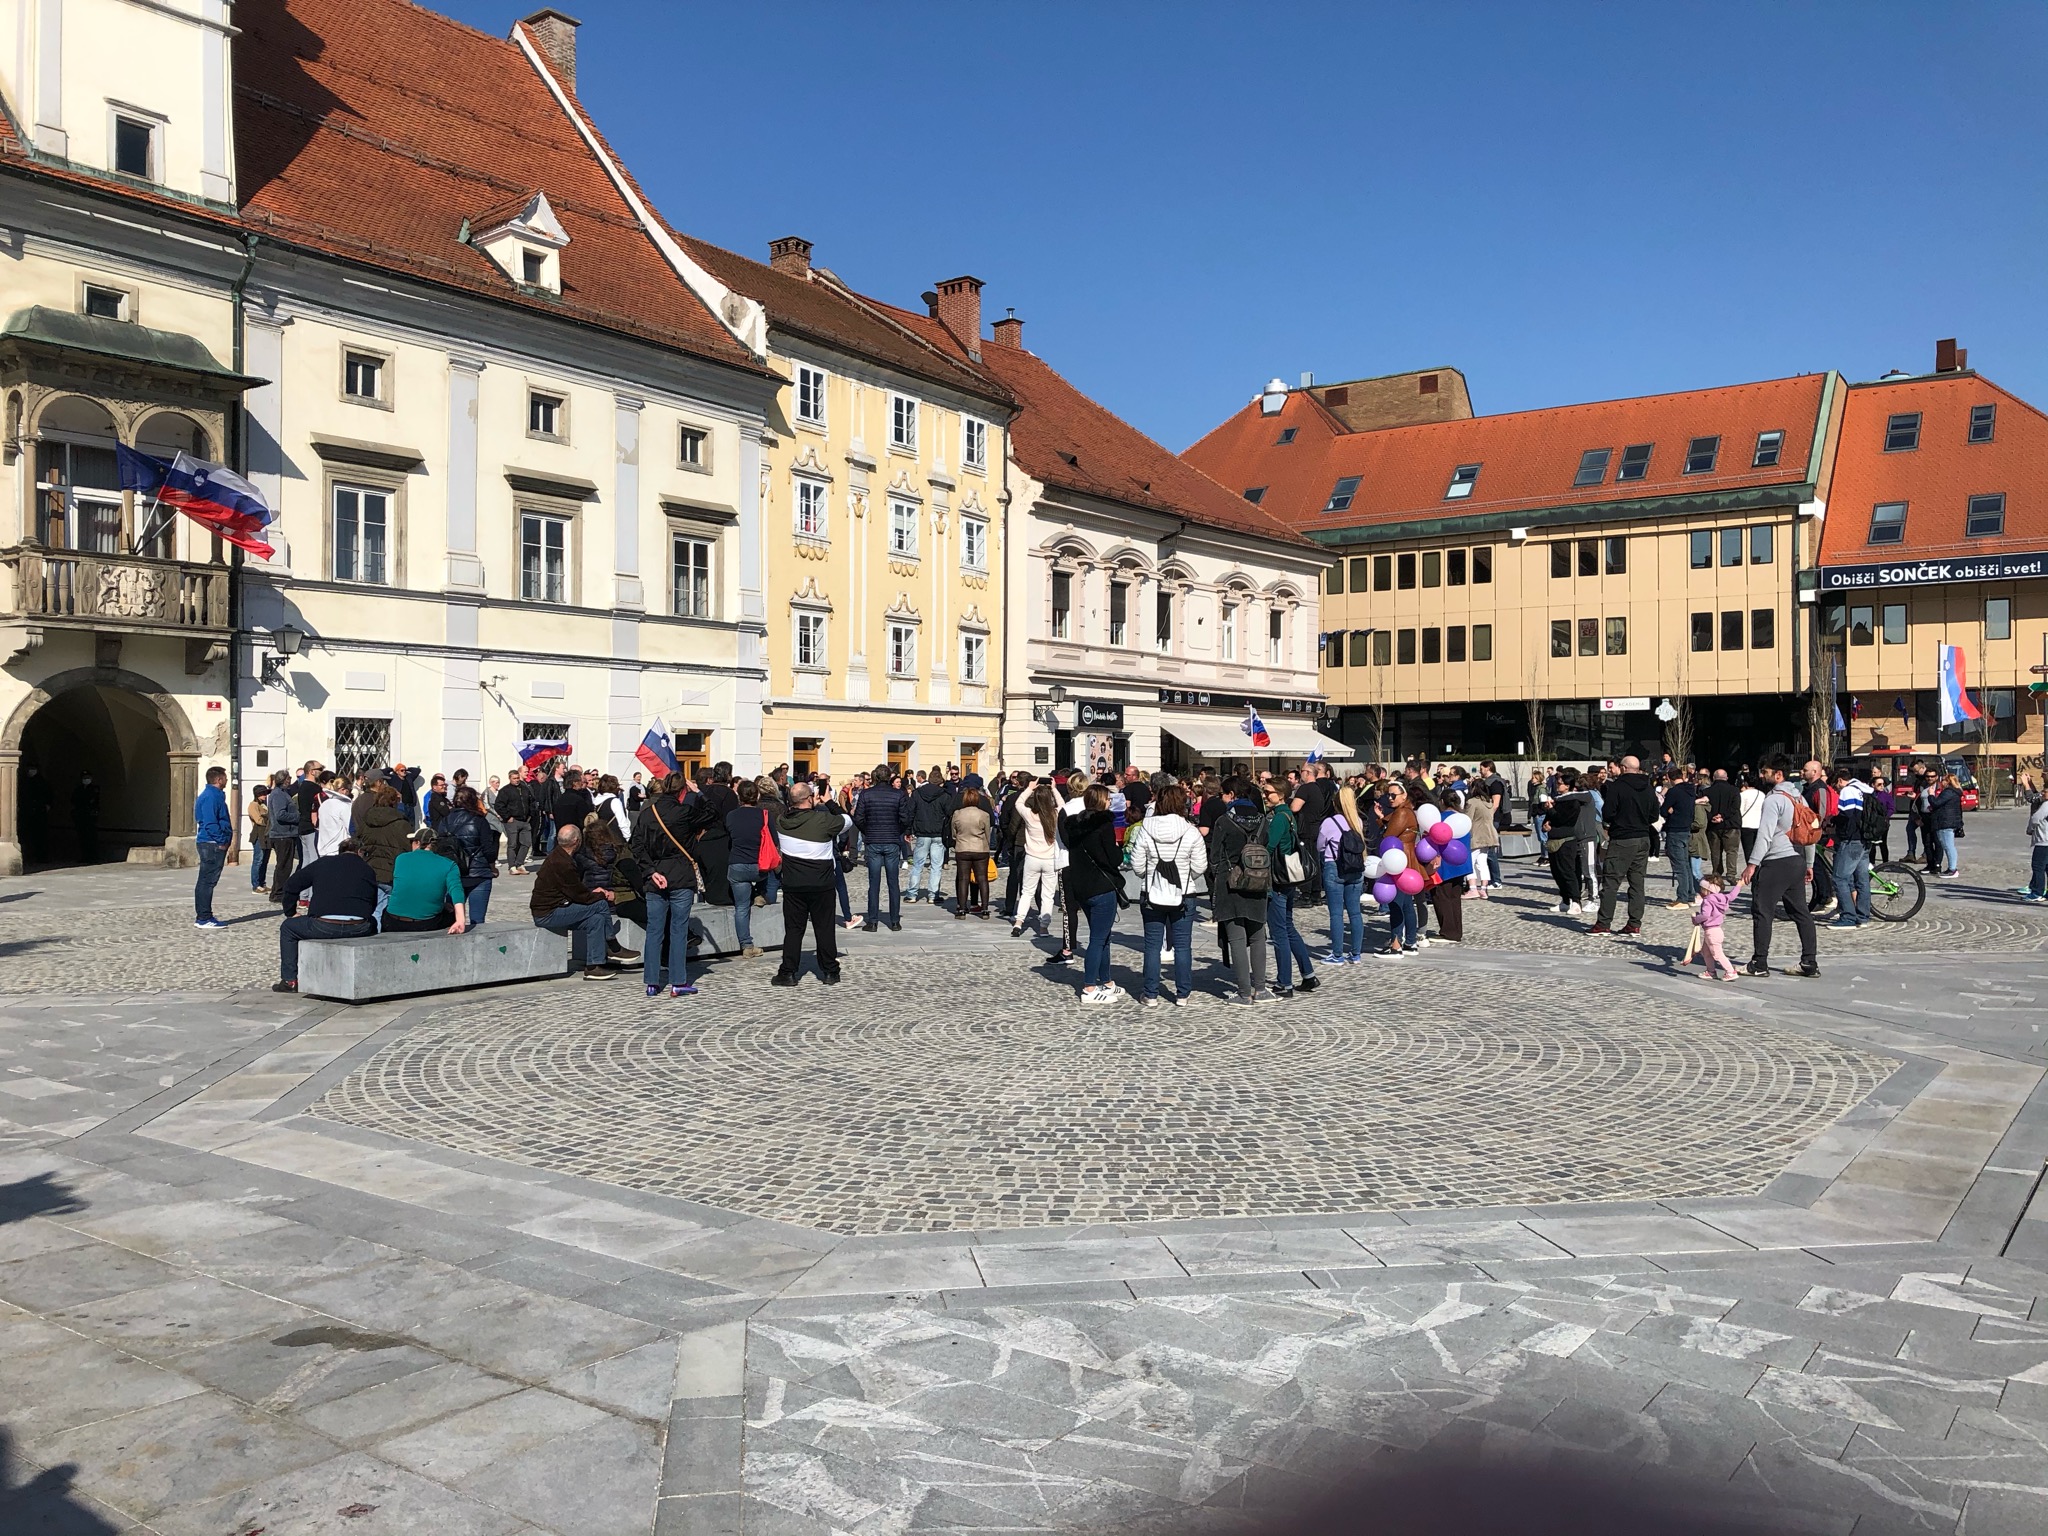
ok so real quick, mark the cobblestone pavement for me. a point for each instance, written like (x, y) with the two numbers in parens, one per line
(556, 1259)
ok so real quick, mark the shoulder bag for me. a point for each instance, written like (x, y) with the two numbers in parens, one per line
(770, 857)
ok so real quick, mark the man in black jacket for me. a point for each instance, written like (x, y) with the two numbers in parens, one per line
(341, 905)
(931, 819)
(808, 831)
(1631, 819)
(883, 817)
(1679, 801)
(1724, 825)
(514, 806)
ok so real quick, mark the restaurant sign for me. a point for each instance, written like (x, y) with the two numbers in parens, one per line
(1917, 573)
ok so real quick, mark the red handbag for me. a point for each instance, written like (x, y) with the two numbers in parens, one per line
(771, 855)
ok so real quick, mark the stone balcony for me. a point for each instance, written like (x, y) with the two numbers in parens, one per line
(113, 596)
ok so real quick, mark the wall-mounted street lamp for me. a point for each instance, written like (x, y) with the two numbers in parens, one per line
(285, 643)
(1049, 716)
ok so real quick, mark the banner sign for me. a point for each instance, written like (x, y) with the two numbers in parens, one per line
(1094, 714)
(1914, 573)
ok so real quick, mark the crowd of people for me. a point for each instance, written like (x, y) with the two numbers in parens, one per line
(387, 851)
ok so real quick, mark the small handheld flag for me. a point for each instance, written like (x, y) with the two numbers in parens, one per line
(657, 750)
(1254, 727)
(1957, 707)
(538, 754)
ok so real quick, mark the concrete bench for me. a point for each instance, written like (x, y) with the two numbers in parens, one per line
(712, 931)
(400, 964)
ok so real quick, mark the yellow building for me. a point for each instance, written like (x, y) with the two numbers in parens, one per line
(882, 514)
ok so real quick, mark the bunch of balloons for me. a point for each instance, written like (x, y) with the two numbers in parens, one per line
(1440, 837)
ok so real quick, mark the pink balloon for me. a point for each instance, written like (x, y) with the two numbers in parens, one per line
(1384, 891)
(1440, 834)
(1409, 882)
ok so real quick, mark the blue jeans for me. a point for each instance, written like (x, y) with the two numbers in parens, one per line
(1288, 944)
(1347, 914)
(1677, 848)
(668, 916)
(480, 900)
(927, 852)
(295, 930)
(1169, 928)
(1101, 914)
(213, 858)
(259, 864)
(885, 859)
(839, 888)
(1401, 921)
(1945, 839)
(743, 878)
(383, 900)
(1852, 880)
(2039, 884)
(590, 923)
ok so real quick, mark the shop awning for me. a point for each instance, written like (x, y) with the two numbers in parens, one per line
(1219, 739)
(1297, 740)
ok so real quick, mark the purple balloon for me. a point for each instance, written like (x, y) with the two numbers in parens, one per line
(1427, 851)
(1389, 844)
(1384, 891)
(1440, 834)
(1456, 852)
(1409, 881)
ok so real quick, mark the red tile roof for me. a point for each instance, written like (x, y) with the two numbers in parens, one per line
(1527, 459)
(370, 129)
(1937, 479)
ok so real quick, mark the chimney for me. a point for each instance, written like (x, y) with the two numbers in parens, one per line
(1009, 331)
(554, 34)
(1945, 356)
(960, 311)
(790, 254)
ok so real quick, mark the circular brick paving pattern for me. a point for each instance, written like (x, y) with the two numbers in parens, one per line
(970, 1093)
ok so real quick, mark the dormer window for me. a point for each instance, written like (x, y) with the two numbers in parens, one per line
(533, 268)
(524, 239)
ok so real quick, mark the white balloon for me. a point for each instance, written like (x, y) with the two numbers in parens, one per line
(1373, 867)
(1461, 824)
(1392, 862)
(1427, 816)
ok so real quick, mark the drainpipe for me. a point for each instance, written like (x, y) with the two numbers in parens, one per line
(238, 458)
(1003, 718)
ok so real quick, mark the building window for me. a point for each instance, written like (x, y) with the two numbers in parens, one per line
(1365, 644)
(1463, 478)
(1762, 545)
(1593, 466)
(104, 303)
(543, 558)
(546, 415)
(1286, 436)
(1589, 637)
(363, 744)
(1382, 648)
(902, 530)
(1888, 523)
(809, 650)
(1635, 462)
(810, 395)
(1432, 646)
(1902, 432)
(1276, 637)
(1482, 642)
(973, 443)
(1162, 621)
(903, 650)
(1997, 618)
(1333, 649)
(1432, 568)
(1987, 516)
(1700, 455)
(1589, 557)
(1482, 566)
(811, 504)
(1119, 621)
(1703, 632)
(1454, 568)
(1341, 494)
(1860, 632)
(362, 532)
(135, 147)
(1255, 494)
(1731, 629)
(1226, 635)
(1333, 579)
(533, 268)
(1404, 647)
(1894, 623)
(974, 659)
(1561, 638)
(903, 423)
(1617, 637)
(1404, 572)
(1382, 574)
(1454, 643)
(1561, 560)
(690, 577)
(1062, 604)
(1731, 546)
(1983, 422)
(690, 447)
(974, 543)
(1769, 445)
(1617, 555)
(362, 376)
(1763, 628)
(1702, 549)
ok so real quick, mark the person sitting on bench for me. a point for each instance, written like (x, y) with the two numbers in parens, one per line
(340, 905)
(426, 890)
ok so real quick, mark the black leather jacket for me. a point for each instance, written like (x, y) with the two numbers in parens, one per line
(479, 845)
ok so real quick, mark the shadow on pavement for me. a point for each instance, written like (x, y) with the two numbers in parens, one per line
(44, 1503)
(38, 1195)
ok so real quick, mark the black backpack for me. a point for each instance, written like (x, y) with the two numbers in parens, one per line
(1250, 870)
(1350, 859)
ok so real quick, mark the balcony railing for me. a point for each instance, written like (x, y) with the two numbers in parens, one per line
(125, 590)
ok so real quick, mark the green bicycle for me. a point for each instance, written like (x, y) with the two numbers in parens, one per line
(1897, 891)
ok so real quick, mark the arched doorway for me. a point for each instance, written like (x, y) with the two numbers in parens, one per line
(115, 767)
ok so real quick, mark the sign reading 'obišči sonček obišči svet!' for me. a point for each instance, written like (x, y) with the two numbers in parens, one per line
(1914, 573)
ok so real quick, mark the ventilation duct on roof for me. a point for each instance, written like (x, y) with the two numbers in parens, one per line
(1274, 400)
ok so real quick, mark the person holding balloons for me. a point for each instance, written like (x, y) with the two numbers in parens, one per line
(1400, 879)
(1340, 841)
(1449, 835)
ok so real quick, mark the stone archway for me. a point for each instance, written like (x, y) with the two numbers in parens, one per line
(182, 757)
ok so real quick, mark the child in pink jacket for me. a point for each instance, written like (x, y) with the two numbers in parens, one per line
(1708, 914)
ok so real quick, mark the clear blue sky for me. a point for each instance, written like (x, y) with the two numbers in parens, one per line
(1181, 201)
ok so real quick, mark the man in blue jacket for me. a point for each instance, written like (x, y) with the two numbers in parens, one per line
(216, 829)
(883, 817)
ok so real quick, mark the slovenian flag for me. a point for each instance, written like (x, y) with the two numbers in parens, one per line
(538, 754)
(1254, 727)
(212, 495)
(1954, 689)
(657, 749)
